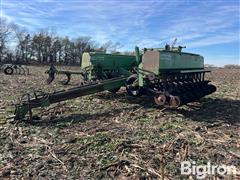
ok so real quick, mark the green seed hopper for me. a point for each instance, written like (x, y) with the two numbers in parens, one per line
(171, 76)
(168, 75)
(97, 65)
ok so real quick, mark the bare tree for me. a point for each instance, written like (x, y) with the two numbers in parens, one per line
(111, 46)
(232, 66)
(83, 44)
(56, 50)
(24, 49)
(45, 46)
(66, 50)
(5, 33)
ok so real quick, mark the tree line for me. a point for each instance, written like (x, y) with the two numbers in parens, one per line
(227, 66)
(19, 46)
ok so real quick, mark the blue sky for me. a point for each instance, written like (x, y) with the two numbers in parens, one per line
(210, 28)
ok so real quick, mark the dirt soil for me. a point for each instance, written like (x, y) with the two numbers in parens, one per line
(114, 135)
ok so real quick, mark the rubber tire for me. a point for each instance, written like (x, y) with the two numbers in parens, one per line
(129, 81)
(8, 70)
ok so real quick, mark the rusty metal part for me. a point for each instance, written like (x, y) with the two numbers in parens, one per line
(150, 61)
(160, 100)
(175, 101)
(151, 76)
(179, 88)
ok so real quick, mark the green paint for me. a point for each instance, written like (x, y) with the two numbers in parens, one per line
(176, 60)
(22, 109)
(105, 66)
(159, 61)
(113, 61)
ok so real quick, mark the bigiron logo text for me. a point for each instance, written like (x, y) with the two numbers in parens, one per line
(203, 171)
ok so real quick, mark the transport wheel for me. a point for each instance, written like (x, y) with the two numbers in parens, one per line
(8, 70)
(132, 86)
(114, 90)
